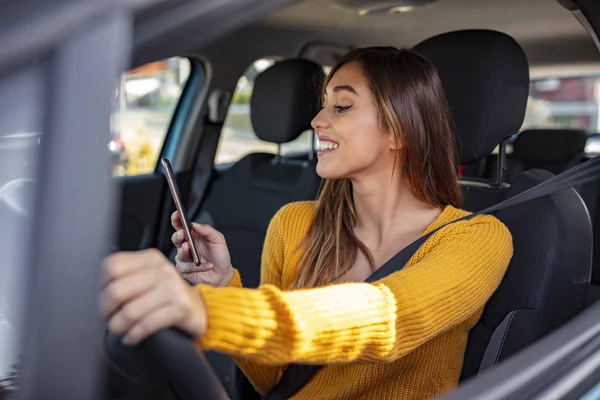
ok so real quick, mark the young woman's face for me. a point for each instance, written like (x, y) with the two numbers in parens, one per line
(352, 141)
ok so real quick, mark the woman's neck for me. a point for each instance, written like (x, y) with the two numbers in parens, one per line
(388, 207)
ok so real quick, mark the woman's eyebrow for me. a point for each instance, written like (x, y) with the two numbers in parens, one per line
(347, 88)
(341, 88)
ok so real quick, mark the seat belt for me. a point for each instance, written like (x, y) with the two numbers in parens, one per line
(203, 171)
(218, 103)
(298, 375)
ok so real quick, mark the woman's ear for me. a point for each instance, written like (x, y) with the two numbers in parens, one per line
(395, 142)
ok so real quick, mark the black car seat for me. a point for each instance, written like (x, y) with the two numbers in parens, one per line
(241, 203)
(486, 79)
(243, 200)
(557, 150)
(554, 150)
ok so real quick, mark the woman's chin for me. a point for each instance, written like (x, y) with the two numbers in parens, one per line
(326, 172)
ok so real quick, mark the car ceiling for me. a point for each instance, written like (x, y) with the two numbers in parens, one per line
(529, 21)
(554, 41)
(550, 35)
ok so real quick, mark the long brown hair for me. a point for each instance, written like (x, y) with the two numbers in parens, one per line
(412, 106)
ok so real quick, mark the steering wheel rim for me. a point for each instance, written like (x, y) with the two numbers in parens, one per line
(171, 355)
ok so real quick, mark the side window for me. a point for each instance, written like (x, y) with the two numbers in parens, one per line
(144, 104)
(237, 137)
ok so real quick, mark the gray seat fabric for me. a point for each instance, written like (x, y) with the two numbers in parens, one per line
(486, 79)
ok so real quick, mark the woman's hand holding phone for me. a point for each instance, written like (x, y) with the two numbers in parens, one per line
(215, 268)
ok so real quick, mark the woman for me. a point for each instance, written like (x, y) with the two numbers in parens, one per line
(387, 153)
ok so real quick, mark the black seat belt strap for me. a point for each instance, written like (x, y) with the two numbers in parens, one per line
(218, 103)
(297, 375)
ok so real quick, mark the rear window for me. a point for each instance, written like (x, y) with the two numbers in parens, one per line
(565, 102)
(237, 137)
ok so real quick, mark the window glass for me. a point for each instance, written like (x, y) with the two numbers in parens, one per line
(144, 103)
(565, 102)
(237, 137)
(20, 125)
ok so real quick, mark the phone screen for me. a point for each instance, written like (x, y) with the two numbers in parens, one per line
(187, 229)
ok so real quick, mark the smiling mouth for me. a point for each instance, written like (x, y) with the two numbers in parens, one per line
(326, 147)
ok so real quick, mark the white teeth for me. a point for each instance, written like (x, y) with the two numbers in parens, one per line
(327, 145)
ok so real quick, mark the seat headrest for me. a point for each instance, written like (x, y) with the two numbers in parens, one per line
(549, 145)
(285, 99)
(485, 75)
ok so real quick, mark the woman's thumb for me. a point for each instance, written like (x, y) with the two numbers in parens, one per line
(207, 232)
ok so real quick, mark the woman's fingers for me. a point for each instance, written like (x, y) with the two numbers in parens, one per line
(178, 238)
(123, 290)
(205, 232)
(176, 221)
(144, 294)
(116, 266)
(134, 311)
(124, 277)
(163, 317)
(184, 254)
(208, 233)
(188, 268)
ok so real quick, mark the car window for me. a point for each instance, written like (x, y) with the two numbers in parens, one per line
(144, 104)
(565, 102)
(20, 124)
(237, 137)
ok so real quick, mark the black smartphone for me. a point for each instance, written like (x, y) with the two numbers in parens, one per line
(187, 228)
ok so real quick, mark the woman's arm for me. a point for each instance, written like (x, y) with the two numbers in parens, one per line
(461, 267)
(265, 377)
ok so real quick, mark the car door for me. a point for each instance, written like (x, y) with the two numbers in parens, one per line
(153, 105)
(60, 63)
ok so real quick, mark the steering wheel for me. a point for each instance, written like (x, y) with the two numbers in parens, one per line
(168, 358)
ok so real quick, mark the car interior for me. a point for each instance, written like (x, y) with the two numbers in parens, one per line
(237, 163)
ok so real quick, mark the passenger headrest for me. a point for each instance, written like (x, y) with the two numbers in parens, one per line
(549, 145)
(285, 100)
(486, 79)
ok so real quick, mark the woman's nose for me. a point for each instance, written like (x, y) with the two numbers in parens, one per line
(319, 121)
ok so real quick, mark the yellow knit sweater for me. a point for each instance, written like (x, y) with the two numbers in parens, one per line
(402, 337)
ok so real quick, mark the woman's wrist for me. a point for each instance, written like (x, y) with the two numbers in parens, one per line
(196, 322)
(227, 277)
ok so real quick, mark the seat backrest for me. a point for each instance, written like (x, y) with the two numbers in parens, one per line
(486, 79)
(243, 200)
(554, 150)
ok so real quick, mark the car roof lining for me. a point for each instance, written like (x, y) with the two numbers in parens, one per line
(548, 32)
(553, 40)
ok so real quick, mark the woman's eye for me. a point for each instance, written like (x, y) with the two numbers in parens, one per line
(341, 109)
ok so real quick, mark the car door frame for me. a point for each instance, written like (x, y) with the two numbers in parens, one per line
(144, 201)
(69, 41)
